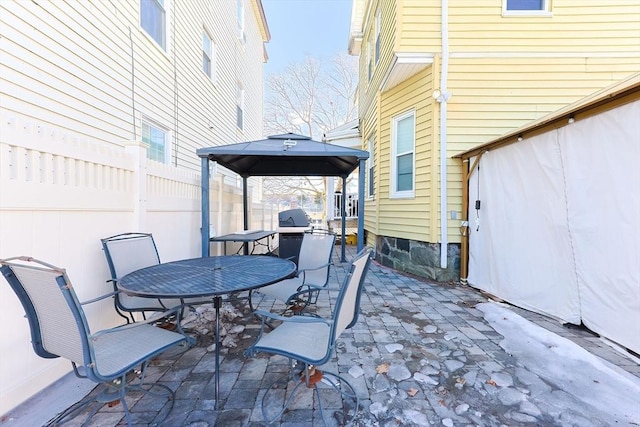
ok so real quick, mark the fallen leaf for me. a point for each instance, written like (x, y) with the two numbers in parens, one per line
(386, 304)
(382, 368)
(491, 382)
(412, 392)
(461, 380)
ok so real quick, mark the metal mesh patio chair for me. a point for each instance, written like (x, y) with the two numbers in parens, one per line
(128, 252)
(311, 341)
(314, 265)
(59, 328)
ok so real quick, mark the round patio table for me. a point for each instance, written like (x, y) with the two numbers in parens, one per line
(208, 276)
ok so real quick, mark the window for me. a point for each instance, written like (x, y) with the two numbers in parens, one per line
(526, 7)
(208, 56)
(240, 19)
(403, 147)
(158, 139)
(370, 164)
(239, 106)
(378, 27)
(153, 19)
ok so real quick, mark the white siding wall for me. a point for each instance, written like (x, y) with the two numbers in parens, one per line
(76, 78)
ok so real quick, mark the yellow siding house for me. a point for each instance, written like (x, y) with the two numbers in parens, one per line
(438, 77)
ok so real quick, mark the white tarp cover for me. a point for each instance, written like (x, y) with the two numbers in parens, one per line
(558, 229)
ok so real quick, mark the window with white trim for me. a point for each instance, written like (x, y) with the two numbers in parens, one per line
(370, 165)
(403, 155)
(526, 7)
(153, 19)
(158, 139)
(208, 56)
(240, 106)
(378, 27)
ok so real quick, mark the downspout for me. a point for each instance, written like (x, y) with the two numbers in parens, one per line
(443, 97)
(133, 88)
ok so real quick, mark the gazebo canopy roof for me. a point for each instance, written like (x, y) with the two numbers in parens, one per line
(288, 154)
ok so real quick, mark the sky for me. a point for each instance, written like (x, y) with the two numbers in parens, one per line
(319, 28)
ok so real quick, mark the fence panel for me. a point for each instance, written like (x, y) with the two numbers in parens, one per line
(60, 195)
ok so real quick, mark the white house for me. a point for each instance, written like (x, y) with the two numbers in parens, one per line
(103, 105)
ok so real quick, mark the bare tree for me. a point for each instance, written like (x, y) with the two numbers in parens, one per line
(309, 98)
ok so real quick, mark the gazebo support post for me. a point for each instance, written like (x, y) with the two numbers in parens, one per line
(343, 215)
(361, 171)
(245, 210)
(204, 229)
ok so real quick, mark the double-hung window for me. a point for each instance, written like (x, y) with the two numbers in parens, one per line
(526, 7)
(158, 139)
(370, 168)
(208, 56)
(153, 19)
(403, 155)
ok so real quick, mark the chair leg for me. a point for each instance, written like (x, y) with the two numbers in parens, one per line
(335, 381)
(251, 307)
(113, 392)
(341, 385)
(191, 341)
(116, 392)
(148, 388)
(73, 409)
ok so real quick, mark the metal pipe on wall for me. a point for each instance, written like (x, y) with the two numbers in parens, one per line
(444, 97)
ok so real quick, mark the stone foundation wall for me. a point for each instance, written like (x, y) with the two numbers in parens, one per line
(419, 258)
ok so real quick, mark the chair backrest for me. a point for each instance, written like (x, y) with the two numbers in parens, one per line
(345, 314)
(129, 252)
(315, 251)
(57, 322)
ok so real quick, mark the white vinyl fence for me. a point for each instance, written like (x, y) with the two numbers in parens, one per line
(59, 196)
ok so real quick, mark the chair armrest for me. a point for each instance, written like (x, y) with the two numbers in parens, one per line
(313, 288)
(328, 264)
(101, 297)
(296, 319)
(154, 318)
(309, 289)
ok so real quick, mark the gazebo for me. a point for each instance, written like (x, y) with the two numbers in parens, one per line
(284, 155)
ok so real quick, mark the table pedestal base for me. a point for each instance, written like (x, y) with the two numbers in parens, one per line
(217, 303)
